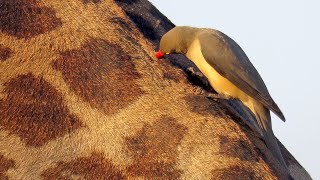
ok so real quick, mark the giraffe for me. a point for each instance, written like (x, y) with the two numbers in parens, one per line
(81, 97)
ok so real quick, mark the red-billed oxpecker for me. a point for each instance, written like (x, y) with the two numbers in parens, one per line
(229, 71)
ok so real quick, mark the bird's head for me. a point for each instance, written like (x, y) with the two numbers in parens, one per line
(177, 40)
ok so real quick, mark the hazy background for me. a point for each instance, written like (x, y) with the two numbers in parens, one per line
(281, 38)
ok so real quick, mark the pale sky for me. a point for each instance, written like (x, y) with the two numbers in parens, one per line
(281, 39)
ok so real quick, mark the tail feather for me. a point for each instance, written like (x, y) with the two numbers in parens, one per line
(264, 120)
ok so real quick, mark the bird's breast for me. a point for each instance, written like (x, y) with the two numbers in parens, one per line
(217, 81)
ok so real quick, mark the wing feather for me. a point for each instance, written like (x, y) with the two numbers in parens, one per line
(228, 59)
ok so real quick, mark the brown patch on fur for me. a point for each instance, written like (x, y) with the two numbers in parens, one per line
(5, 53)
(234, 172)
(202, 105)
(170, 73)
(155, 148)
(122, 23)
(93, 1)
(236, 148)
(102, 74)
(34, 111)
(92, 167)
(5, 165)
(126, 1)
(26, 19)
(170, 76)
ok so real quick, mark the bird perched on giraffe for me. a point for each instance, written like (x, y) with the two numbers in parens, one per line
(229, 71)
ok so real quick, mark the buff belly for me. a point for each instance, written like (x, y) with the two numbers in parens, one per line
(220, 84)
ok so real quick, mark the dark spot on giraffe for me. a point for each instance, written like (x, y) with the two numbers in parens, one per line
(26, 18)
(155, 149)
(236, 148)
(171, 73)
(126, 1)
(5, 53)
(204, 106)
(234, 172)
(170, 76)
(102, 74)
(95, 166)
(93, 1)
(143, 25)
(121, 22)
(5, 165)
(34, 111)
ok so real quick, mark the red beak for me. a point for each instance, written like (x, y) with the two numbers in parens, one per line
(159, 54)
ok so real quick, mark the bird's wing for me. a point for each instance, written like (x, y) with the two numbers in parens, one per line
(228, 59)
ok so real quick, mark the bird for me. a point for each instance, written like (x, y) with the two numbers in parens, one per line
(229, 72)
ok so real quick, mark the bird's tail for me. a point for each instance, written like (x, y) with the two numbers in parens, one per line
(264, 120)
